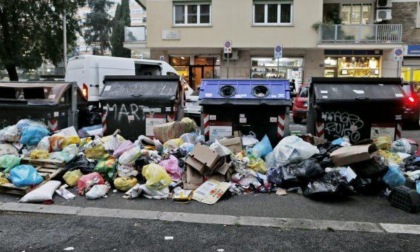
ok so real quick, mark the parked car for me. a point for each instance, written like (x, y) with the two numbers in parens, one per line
(411, 115)
(300, 104)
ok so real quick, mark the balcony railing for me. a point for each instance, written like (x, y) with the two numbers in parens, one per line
(369, 34)
(135, 34)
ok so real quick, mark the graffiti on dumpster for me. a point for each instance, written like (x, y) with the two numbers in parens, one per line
(133, 112)
(343, 124)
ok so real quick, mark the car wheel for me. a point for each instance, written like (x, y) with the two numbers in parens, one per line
(297, 119)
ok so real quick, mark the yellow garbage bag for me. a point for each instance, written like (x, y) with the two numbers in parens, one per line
(96, 152)
(383, 142)
(71, 177)
(3, 179)
(258, 165)
(190, 124)
(173, 143)
(156, 176)
(71, 140)
(391, 157)
(124, 183)
(39, 154)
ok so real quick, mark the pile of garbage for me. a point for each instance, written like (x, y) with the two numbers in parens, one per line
(179, 164)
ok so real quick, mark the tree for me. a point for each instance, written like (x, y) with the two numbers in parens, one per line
(32, 32)
(98, 24)
(121, 19)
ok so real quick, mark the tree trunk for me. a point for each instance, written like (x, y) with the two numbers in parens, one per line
(11, 70)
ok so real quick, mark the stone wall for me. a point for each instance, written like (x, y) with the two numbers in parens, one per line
(405, 14)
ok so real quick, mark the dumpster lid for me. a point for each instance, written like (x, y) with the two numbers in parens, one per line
(245, 92)
(33, 93)
(351, 89)
(144, 87)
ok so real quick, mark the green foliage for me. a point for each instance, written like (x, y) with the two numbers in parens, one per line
(32, 32)
(98, 24)
(121, 19)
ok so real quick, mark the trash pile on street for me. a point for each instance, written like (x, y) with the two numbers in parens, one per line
(179, 164)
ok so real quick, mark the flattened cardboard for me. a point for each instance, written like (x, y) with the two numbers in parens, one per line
(210, 192)
(191, 179)
(204, 160)
(224, 168)
(353, 154)
(233, 144)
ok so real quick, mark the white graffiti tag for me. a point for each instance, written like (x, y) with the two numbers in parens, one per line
(341, 124)
(133, 112)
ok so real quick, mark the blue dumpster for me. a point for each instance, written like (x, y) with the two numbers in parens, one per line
(257, 105)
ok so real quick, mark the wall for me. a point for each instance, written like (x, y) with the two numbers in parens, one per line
(313, 59)
(405, 13)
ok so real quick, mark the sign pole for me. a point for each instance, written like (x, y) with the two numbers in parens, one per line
(278, 68)
(278, 53)
(228, 66)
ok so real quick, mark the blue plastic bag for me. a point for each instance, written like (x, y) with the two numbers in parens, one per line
(394, 177)
(25, 175)
(32, 135)
(262, 148)
(418, 186)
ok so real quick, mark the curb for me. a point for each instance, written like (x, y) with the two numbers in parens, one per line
(282, 223)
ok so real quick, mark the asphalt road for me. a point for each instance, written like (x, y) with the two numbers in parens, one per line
(41, 232)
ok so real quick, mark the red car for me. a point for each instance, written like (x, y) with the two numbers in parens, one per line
(300, 104)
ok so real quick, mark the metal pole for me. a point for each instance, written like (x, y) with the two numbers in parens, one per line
(227, 65)
(278, 67)
(65, 39)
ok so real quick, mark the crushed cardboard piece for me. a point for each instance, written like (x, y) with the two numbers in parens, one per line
(233, 144)
(211, 191)
(204, 160)
(353, 154)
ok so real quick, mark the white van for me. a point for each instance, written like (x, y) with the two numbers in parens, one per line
(89, 71)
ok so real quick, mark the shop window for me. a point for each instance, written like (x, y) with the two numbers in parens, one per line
(272, 13)
(192, 14)
(352, 66)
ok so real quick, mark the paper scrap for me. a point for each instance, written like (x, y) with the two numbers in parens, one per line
(69, 249)
(358, 91)
(167, 238)
(211, 191)
(281, 192)
(65, 193)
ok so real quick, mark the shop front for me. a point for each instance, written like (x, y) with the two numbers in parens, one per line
(195, 68)
(283, 68)
(352, 63)
(410, 70)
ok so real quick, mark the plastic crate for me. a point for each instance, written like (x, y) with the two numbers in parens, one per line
(405, 198)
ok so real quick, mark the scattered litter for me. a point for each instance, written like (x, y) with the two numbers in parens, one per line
(69, 249)
(168, 238)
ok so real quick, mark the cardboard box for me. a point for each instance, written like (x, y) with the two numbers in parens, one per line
(191, 179)
(211, 191)
(204, 160)
(233, 144)
(353, 154)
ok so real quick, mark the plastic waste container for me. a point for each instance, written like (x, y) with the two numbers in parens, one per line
(54, 103)
(258, 105)
(359, 108)
(135, 104)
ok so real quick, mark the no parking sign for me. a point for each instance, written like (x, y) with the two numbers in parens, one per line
(278, 52)
(398, 54)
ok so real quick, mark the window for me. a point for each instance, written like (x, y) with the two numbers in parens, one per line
(356, 13)
(272, 12)
(192, 14)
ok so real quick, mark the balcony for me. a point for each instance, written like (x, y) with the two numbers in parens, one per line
(360, 34)
(136, 35)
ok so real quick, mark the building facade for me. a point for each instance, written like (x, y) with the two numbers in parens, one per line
(317, 38)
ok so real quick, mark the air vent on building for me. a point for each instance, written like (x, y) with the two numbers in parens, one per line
(383, 15)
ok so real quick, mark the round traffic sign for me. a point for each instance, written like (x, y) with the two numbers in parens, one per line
(227, 44)
(278, 49)
(398, 52)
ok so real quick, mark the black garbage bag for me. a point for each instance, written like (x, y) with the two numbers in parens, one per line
(324, 154)
(412, 163)
(331, 186)
(81, 162)
(368, 186)
(372, 168)
(295, 174)
(138, 165)
(90, 116)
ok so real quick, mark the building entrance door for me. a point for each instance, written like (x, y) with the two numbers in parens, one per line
(197, 73)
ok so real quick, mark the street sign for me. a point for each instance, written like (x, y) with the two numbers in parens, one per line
(398, 54)
(227, 46)
(278, 51)
(162, 57)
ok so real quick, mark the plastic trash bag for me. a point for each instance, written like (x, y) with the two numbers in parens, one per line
(189, 137)
(9, 134)
(172, 168)
(383, 142)
(262, 148)
(123, 147)
(401, 145)
(25, 175)
(44, 144)
(156, 176)
(270, 160)
(8, 162)
(97, 191)
(186, 147)
(130, 156)
(152, 193)
(394, 177)
(330, 186)
(189, 123)
(85, 183)
(32, 135)
(71, 140)
(124, 184)
(220, 149)
(258, 165)
(95, 152)
(71, 177)
(293, 149)
(249, 140)
(106, 167)
(173, 143)
(368, 186)
(343, 141)
(3, 179)
(42, 193)
(6, 149)
(56, 142)
(24, 123)
(82, 163)
(39, 154)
